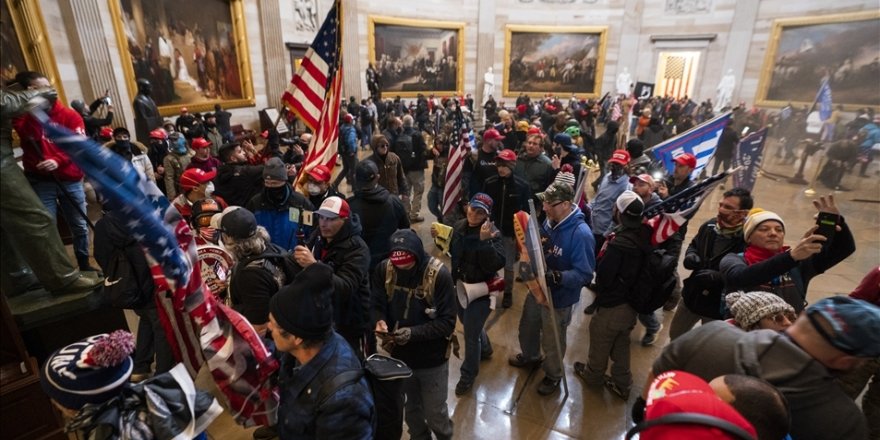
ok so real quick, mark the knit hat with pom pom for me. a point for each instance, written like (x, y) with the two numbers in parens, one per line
(92, 370)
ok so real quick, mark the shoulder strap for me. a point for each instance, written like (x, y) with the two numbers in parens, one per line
(428, 278)
(333, 385)
(390, 279)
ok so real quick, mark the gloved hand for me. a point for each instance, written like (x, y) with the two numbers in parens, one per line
(638, 410)
(554, 278)
(401, 336)
(692, 261)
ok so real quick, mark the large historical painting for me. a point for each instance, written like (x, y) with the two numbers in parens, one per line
(413, 56)
(802, 51)
(195, 54)
(24, 44)
(559, 60)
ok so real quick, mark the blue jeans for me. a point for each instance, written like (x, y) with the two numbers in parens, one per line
(476, 341)
(650, 321)
(536, 333)
(435, 202)
(52, 196)
(426, 410)
(367, 131)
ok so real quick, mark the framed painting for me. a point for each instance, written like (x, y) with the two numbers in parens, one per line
(802, 51)
(417, 56)
(24, 44)
(195, 54)
(558, 60)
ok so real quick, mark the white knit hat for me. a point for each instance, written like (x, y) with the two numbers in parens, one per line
(756, 217)
(749, 308)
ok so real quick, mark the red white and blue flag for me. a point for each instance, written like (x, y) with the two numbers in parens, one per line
(667, 217)
(701, 141)
(459, 149)
(314, 92)
(199, 329)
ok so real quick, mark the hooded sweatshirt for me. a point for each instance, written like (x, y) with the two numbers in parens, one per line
(430, 324)
(819, 407)
(603, 204)
(381, 214)
(571, 251)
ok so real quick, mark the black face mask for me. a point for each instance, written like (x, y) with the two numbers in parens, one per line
(123, 145)
(277, 195)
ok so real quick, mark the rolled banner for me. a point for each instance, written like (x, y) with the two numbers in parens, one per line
(468, 292)
(529, 251)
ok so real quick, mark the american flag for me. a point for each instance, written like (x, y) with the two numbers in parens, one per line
(199, 329)
(667, 217)
(701, 141)
(314, 92)
(460, 147)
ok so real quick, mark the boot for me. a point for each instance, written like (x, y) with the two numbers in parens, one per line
(507, 300)
(84, 282)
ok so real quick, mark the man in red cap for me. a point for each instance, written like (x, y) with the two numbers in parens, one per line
(195, 184)
(185, 123)
(203, 159)
(337, 242)
(672, 185)
(482, 164)
(612, 185)
(318, 186)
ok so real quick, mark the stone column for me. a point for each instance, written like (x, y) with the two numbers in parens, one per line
(353, 67)
(735, 57)
(485, 58)
(275, 55)
(95, 65)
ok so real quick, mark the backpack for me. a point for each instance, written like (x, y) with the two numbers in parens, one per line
(425, 289)
(384, 376)
(403, 147)
(278, 264)
(654, 283)
(129, 282)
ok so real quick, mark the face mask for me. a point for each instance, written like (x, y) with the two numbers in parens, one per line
(278, 194)
(209, 189)
(123, 145)
(313, 189)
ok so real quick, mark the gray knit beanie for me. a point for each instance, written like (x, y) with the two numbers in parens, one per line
(748, 308)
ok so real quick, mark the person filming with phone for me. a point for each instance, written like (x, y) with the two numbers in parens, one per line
(768, 265)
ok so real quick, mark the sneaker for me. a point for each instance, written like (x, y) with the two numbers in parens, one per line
(580, 369)
(84, 282)
(519, 361)
(416, 219)
(548, 386)
(651, 337)
(265, 433)
(616, 390)
(463, 386)
(507, 300)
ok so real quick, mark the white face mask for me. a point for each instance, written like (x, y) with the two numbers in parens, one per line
(313, 189)
(209, 189)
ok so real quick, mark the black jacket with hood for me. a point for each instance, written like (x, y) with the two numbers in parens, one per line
(381, 214)
(431, 323)
(615, 270)
(238, 183)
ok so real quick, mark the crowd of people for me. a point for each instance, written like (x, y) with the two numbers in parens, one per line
(331, 275)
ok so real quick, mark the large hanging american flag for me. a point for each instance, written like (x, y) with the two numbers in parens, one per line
(667, 217)
(314, 92)
(198, 329)
(459, 148)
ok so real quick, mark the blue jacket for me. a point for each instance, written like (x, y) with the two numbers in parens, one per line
(348, 139)
(346, 414)
(282, 218)
(571, 251)
(603, 203)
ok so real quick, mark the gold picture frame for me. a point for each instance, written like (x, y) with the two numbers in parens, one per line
(558, 60)
(801, 51)
(419, 43)
(33, 41)
(213, 39)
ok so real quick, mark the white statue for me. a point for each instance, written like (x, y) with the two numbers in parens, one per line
(488, 84)
(725, 90)
(624, 80)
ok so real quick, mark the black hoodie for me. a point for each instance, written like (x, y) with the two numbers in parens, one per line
(381, 214)
(430, 324)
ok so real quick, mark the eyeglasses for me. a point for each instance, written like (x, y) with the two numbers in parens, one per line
(781, 317)
(553, 205)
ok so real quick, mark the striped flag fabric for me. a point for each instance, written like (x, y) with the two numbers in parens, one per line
(199, 329)
(667, 217)
(460, 147)
(701, 141)
(314, 92)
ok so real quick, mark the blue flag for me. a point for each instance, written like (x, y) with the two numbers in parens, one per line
(823, 97)
(701, 141)
(749, 155)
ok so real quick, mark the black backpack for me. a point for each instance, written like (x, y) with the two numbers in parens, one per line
(403, 147)
(129, 282)
(655, 282)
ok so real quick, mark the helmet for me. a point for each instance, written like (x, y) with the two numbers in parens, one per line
(158, 134)
(573, 131)
(203, 210)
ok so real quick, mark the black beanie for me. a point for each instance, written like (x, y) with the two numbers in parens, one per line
(304, 308)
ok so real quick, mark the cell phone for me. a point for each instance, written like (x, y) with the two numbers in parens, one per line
(827, 223)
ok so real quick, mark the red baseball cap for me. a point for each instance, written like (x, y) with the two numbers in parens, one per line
(347, 118)
(678, 392)
(492, 134)
(320, 173)
(194, 177)
(687, 159)
(199, 143)
(334, 207)
(620, 156)
(506, 155)
(534, 130)
(158, 134)
(107, 132)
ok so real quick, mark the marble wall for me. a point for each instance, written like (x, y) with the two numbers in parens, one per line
(734, 34)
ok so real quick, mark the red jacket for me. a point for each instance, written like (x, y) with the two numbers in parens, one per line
(31, 134)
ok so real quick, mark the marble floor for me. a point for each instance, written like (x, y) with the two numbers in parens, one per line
(487, 411)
